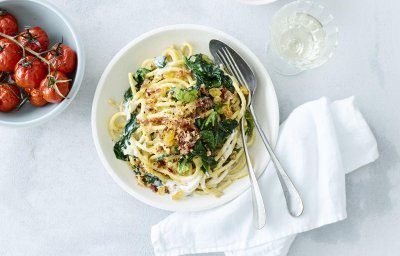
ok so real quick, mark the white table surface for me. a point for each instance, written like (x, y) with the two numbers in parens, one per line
(57, 199)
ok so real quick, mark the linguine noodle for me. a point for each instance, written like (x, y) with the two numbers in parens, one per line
(180, 134)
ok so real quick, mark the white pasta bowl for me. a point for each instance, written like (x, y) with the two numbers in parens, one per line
(114, 82)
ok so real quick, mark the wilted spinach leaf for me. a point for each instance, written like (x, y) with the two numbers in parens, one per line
(151, 179)
(130, 127)
(227, 126)
(128, 96)
(199, 122)
(119, 150)
(139, 76)
(208, 138)
(207, 73)
(215, 136)
(208, 162)
(199, 149)
(250, 123)
(136, 170)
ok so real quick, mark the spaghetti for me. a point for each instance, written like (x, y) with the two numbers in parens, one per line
(177, 126)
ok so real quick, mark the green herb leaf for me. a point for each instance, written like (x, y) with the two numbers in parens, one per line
(227, 126)
(140, 76)
(160, 61)
(250, 123)
(185, 95)
(220, 138)
(130, 128)
(128, 95)
(151, 179)
(208, 162)
(211, 119)
(199, 149)
(119, 150)
(215, 136)
(208, 138)
(207, 73)
(183, 165)
(136, 170)
(199, 122)
(212, 136)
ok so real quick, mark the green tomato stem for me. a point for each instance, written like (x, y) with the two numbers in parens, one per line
(25, 48)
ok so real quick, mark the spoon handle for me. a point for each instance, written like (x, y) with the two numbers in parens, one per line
(292, 196)
(259, 215)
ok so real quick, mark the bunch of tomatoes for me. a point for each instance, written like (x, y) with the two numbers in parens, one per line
(29, 71)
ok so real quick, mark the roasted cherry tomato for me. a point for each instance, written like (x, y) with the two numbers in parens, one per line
(29, 72)
(9, 97)
(55, 87)
(34, 38)
(63, 58)
(10, 54)
(35, 97)
(8, 23)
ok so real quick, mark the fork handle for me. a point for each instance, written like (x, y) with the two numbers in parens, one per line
(292, 196)
(259, 215)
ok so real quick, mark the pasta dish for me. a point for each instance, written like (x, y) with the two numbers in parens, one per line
(178, 125)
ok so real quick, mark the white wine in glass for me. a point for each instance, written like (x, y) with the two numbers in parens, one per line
(303, 36)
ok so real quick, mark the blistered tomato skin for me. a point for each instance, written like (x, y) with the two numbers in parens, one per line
(10, 54)
(9, 97)
(29, 72)
(63, 58)
(47, 86)
(8, 23)
(36, 97)
(34, 38)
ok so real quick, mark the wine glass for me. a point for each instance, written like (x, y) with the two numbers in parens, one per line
(303, 36)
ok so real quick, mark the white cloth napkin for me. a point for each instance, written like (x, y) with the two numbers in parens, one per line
(319, 143)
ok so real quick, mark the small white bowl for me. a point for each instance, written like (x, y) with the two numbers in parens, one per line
(45, 15)
(114, 82)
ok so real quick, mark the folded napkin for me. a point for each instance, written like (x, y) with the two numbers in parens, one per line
(319, 143)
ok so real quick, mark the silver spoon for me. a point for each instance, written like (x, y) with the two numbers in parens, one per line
(235, 65)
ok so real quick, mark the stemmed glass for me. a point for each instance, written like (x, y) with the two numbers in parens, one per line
(303, 36)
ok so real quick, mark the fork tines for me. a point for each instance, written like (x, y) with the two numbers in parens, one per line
(232, 68)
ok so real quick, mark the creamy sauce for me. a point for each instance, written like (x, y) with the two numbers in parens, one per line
(189, 185)
(127, 110)
(129, 149)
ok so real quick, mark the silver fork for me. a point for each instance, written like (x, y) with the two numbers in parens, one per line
(259, 214)
(292, 196)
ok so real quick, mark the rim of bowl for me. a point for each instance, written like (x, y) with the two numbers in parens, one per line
(78, 75)
(100, 86)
